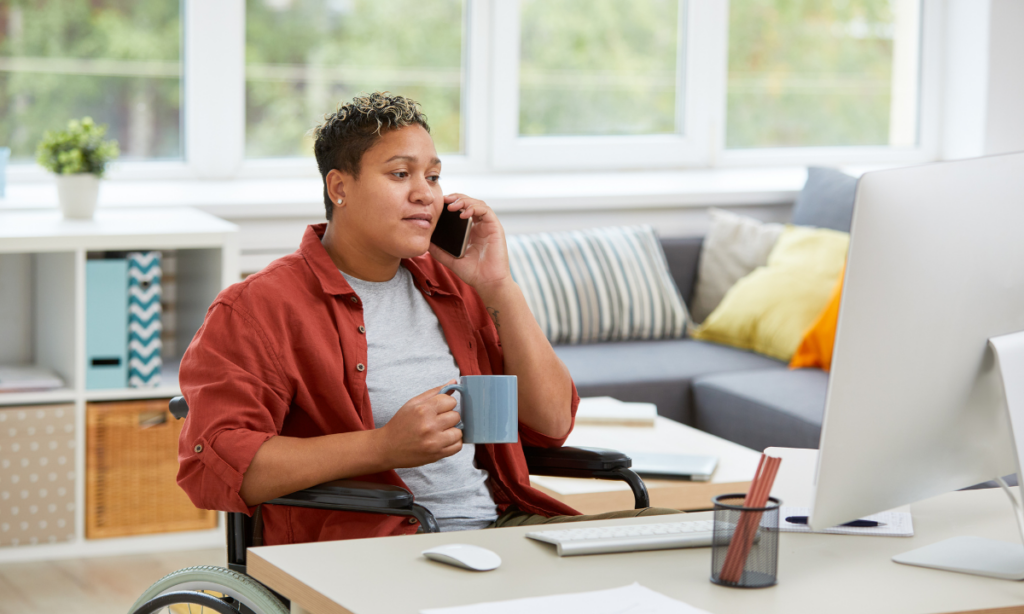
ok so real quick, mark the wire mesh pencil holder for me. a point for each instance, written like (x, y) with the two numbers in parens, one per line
(754, 561)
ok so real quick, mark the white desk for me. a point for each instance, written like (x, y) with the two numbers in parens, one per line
(736, 466)
(817, 573)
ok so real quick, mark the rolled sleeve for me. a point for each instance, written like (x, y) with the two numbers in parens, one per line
(237, 401)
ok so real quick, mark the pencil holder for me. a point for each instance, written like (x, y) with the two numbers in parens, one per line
(745, 544)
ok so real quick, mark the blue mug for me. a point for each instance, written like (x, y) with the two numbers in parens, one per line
(490, 408)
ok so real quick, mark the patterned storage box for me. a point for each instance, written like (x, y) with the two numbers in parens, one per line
(144, 319)
(131, 469)
(37, 475)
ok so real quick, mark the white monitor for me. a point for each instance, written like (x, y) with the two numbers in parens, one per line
(916, 405)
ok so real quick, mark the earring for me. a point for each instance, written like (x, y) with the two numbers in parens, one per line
(339, 201)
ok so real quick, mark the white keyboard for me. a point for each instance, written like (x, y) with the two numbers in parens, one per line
(627, 538)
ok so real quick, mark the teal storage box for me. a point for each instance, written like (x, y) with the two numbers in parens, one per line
(106, 323)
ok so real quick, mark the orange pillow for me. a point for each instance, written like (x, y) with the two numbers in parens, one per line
(815, 349)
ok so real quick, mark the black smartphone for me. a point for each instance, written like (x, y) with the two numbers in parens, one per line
(452, 232)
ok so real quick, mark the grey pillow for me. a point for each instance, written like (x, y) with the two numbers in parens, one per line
(826, 200)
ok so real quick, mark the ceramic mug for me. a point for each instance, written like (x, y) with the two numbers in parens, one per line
(490, 408)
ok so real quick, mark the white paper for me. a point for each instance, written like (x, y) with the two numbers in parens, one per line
(897, 523)
(16, 378)
(632, 599)
(607, 410)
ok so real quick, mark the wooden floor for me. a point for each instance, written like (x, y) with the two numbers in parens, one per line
(106, 585)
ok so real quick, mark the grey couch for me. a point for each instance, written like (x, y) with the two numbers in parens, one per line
(744, 397)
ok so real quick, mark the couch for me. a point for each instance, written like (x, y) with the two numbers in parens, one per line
(753, 400)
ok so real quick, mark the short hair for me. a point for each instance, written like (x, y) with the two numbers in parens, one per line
(345, 135)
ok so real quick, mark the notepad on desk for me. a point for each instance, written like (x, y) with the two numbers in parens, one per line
(893, 523)
(607, 411)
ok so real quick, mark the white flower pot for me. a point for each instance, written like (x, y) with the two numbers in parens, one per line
(77, 195)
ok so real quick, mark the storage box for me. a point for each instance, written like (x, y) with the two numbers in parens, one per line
(131, 468)
(106, 323)
(37, 475)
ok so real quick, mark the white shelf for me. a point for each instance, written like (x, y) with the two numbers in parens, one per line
(41, 397)
(168, 388)
(42, 273)
(113, 229)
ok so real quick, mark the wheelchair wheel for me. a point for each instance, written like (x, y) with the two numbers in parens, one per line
(219, 590)
(180, 602)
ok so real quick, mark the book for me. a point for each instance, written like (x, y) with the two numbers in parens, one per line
(610, 411)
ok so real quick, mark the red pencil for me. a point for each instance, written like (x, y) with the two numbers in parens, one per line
(746, 528)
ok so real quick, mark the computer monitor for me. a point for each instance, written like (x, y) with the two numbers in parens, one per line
(916, 405)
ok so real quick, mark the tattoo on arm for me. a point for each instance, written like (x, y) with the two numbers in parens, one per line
(494, 316)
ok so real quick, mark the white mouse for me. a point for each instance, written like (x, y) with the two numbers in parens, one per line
(465, 556)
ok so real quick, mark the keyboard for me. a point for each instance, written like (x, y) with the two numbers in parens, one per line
(628, 538)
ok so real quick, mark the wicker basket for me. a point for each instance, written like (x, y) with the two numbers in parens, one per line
(131, 466)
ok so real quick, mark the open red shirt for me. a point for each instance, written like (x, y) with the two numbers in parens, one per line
(278, 355)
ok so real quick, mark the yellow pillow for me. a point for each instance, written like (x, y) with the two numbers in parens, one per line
(769, 310)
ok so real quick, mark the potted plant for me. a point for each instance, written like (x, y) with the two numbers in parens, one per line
(79, 157)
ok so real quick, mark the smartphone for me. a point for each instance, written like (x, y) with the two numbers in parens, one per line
(452, 232)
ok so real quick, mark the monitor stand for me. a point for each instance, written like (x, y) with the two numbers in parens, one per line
(977, 555)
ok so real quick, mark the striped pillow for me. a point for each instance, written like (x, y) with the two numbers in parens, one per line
(604, 284)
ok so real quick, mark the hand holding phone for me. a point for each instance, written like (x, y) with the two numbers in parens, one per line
(452, 232)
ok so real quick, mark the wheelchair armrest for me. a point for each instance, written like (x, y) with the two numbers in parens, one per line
(597, 463)
(574, 462)
(348, 493)
(355, 496)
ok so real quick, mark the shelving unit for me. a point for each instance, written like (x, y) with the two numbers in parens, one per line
(42, 321)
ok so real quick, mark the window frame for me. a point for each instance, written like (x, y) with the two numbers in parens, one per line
(694, 112)
(930, 64)
(214, 134)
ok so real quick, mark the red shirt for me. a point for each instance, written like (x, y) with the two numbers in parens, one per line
(278, 354)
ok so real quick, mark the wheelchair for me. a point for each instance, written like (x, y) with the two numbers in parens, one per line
(231, 591)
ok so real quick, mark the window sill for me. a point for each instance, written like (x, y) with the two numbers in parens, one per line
(507, 193)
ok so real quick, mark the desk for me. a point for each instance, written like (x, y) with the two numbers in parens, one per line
(736, 465)
(818, 573)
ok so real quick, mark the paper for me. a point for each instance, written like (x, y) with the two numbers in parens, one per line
(632, 599)
(28, 377)
(607, 410)
(898, 523)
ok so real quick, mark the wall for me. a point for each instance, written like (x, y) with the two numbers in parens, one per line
(984, 82)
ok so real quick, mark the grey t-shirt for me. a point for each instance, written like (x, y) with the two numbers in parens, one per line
(407, 354)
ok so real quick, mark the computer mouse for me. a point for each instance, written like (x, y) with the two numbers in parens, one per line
(464, 555)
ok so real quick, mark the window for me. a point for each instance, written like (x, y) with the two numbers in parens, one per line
(822, 73)
(118, 61)
(304, 56)
(507, 85)
(598, 67)
(584, 85)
